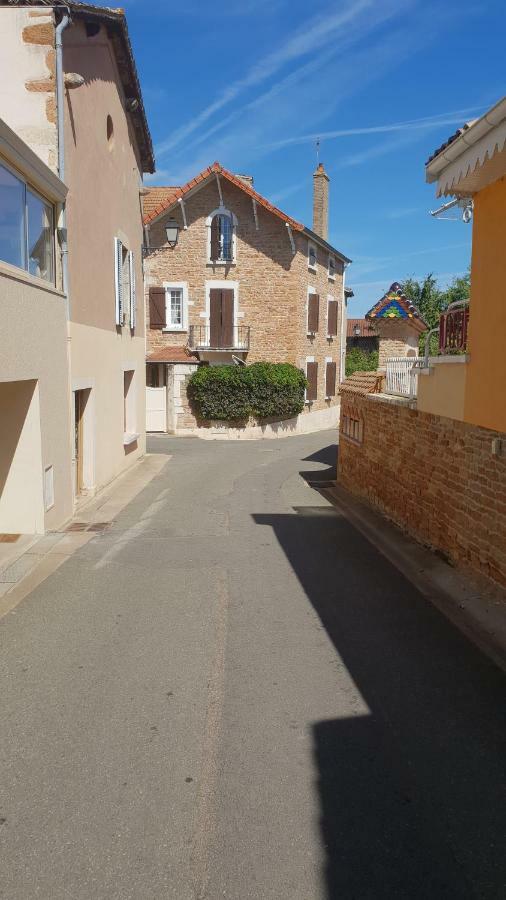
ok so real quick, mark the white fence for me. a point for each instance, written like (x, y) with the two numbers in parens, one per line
(402, 376)
(156, 409)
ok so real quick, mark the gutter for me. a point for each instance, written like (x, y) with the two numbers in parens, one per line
(60, 96)
(468, 138)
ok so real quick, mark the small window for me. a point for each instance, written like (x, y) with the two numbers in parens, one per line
(352, 427)
(126, 300)
(311, 256)
(110, 132)
(332, 268)
(176, 307)
(26, 227)
(222, 225)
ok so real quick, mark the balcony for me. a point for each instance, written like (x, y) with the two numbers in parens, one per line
(453, 326)
(205, 337)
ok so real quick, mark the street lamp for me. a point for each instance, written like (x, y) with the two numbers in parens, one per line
(172, 231)
(357, 330)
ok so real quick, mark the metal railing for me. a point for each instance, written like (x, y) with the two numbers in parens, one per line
(203, 337)
(402, 377)
(452, 330)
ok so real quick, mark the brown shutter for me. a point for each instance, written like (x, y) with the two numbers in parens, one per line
(330, 379)
(332, 324)
(312, 380)
(215, 239)
(157, 314)
(214, 317)
(227, 318)
(313, 313)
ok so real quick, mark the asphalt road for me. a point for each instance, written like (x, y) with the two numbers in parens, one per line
(232, 694)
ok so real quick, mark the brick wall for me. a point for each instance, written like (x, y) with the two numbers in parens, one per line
(273, 282)
(435, 477)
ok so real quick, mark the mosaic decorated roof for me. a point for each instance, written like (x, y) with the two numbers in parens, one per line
(395, 305)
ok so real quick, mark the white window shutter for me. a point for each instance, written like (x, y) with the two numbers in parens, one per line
(133, 296)
(118, 271)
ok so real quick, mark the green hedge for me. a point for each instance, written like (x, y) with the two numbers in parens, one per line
(233, 393)
(358, 360)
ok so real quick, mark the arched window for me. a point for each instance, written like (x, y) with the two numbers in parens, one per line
(222, 225)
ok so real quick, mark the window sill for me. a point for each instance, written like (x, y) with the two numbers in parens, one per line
(311, 268)
(331, 278)
(174, 330)
(221, 263)
(21, 275)
(129, 439)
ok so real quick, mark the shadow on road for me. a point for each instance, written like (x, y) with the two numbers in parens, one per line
(412, 794)
(328, 457)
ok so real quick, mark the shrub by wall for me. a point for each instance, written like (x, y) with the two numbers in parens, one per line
(231, 393)
(358, 360)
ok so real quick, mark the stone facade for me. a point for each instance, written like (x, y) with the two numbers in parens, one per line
(271, 284)
(435, 477)
(396, 338)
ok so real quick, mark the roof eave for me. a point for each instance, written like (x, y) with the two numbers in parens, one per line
(471, 136)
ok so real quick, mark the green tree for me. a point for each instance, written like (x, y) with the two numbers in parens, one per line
(431, 301)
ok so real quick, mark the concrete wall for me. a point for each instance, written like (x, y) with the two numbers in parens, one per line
(27, 85)
(435, 477)
(273, 282)
(486, 379)
(33, 350)
(104, 202)
(442, 390)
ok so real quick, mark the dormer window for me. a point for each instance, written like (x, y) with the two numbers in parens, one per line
(222, 226)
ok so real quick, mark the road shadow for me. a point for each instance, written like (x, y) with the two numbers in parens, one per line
(412, 794)
(327, 456)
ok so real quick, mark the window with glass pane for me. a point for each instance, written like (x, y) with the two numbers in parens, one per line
(12, 219)
(40, 237)
(226, 231)
(26, 227)
(176, 308)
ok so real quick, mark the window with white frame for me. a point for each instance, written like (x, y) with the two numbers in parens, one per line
(332, 268)
(311, 256)
(176, 306)
(352, 426)
(26, 227)
(222, 237)
(126, 295)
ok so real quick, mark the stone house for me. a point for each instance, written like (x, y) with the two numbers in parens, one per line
(435, 462)
(69, 88)
(230, 278)
(361, 334)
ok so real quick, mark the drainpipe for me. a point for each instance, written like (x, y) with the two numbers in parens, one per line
(60, 111)
(344, 317)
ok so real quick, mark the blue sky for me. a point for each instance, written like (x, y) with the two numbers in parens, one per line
(382, 82)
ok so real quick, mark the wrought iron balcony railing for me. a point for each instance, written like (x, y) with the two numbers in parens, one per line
(206, 337)
(453, 329)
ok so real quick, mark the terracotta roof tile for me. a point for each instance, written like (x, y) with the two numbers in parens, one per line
(395, 305)
(172, 355)
(153, 197)
(362, 383)
(450, 140)
(367, 328)
(217, 169)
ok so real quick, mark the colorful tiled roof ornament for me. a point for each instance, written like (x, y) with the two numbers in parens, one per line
(395, 305)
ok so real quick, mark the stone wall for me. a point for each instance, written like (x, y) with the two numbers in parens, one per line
(437, 478)
(396, 338)
(272, 282)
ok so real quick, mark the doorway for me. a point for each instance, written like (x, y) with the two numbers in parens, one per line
(221, 319)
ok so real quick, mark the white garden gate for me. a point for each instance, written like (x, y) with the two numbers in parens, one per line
(156, 409)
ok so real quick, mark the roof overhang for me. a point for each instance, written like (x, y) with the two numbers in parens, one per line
(475, 159)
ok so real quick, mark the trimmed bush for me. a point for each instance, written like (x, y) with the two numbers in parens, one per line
(233, 393)
(358, 360)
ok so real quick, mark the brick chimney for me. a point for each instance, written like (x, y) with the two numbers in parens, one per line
(321, 202)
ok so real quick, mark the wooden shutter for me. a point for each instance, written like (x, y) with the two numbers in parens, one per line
(214, 317)
(227, 318)
(312, 380)
(215, 239)
(313, 313)
(118, 277)
(133, 292)
(332, 323)
(157, 314)
(330, 379)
